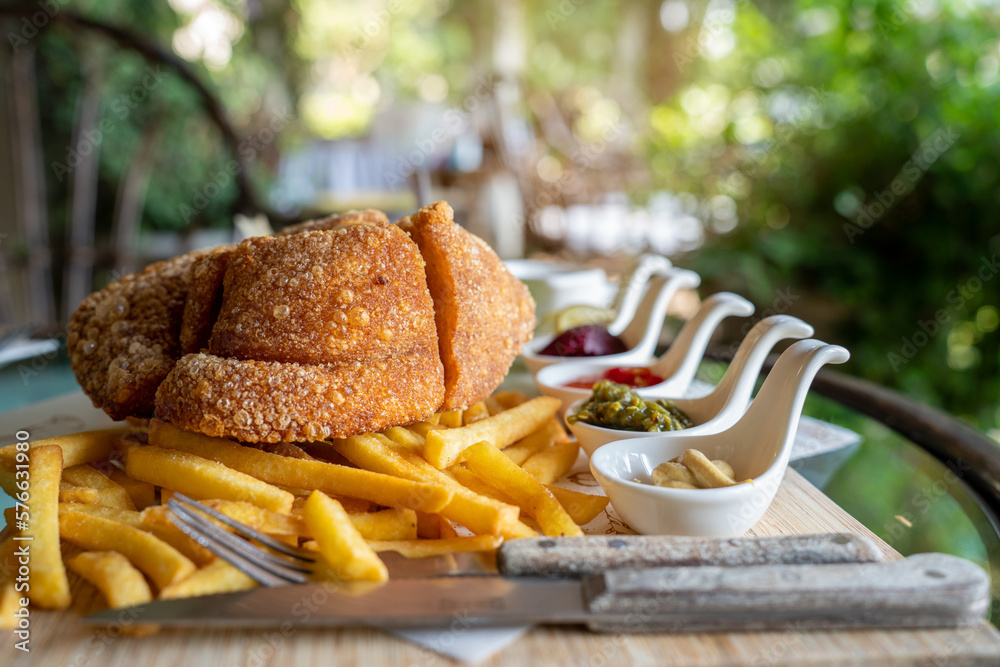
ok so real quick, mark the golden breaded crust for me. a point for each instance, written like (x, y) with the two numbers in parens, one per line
(125, 338)
(338, 221)
(355, 294)
(204, 298)
(484, 315)
(258, 401)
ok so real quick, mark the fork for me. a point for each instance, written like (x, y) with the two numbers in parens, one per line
(275, 563)
(531, 556)
(288, 566)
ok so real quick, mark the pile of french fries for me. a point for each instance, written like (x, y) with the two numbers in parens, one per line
(460, 481)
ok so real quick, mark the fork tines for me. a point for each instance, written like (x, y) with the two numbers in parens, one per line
(288, 566)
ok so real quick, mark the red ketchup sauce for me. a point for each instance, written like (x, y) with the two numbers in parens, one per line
(638, 376)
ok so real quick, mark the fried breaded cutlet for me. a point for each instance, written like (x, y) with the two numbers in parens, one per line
(334, 327)
(332, 222)
(484, 314)
(124, 339)
(320, 334)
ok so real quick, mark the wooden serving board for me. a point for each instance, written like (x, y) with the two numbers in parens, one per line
(58, 638)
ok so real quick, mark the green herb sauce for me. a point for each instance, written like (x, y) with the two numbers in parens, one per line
(616, 406)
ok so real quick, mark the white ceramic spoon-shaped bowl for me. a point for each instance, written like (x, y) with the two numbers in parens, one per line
(757, 446)
(677, 367)
(720, 408)
(634, 285)
(640, 335)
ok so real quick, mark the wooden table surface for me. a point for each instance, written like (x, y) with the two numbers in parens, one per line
(58, 638)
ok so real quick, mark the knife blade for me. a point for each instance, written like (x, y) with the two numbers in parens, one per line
(926, 590)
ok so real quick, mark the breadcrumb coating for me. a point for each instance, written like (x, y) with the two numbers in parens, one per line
(204, 298)
(484, 315)
(258, 401)
(354, 294)
(332, 222)
(331, 328)
(124, 339)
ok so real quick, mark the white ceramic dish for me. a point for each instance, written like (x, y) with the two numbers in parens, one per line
(556, 285)
(678, 366)
(757, 446)
(640, 334)
(725, 404)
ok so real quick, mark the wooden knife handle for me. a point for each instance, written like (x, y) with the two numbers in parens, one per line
(579, 556)
(925, 590)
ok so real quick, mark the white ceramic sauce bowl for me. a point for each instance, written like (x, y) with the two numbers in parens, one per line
(640, 334)
(677, 367)
(758, 446)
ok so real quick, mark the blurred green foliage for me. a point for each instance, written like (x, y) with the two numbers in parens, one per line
(139, 102)
(819, 110)
(790, 122)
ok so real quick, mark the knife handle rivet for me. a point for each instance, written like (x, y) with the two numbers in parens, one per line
(617, 544)
(841, 539)
(934, 574)
(547, 544)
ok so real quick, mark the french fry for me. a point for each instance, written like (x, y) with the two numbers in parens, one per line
(492, 406)
(444, 447)
(523, 529)
(425, 427)
(217, 577)
(142, 494)
(111, 493)
(7, 564)
(9, 604)
(156, 521)
(272, 523)
(71, 493)
(339, 541)
(471, 481)
(160, 561)
(508, 399)
(351, 505)
(480, 514)
(322, 451)
(447, 529)
(121, 584)
(428, 525)
(176, 538)
(327, 477)
(200, 477)
(475, 412)
(77, 448)
(452, 419)
(426, 548)
(552, 463)
(391, 524)
(290, 540)
(405, 437)
(550, 434)
(581, 507)
(48, 586)
(9, 597)
(130, 517)
(488, 462)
